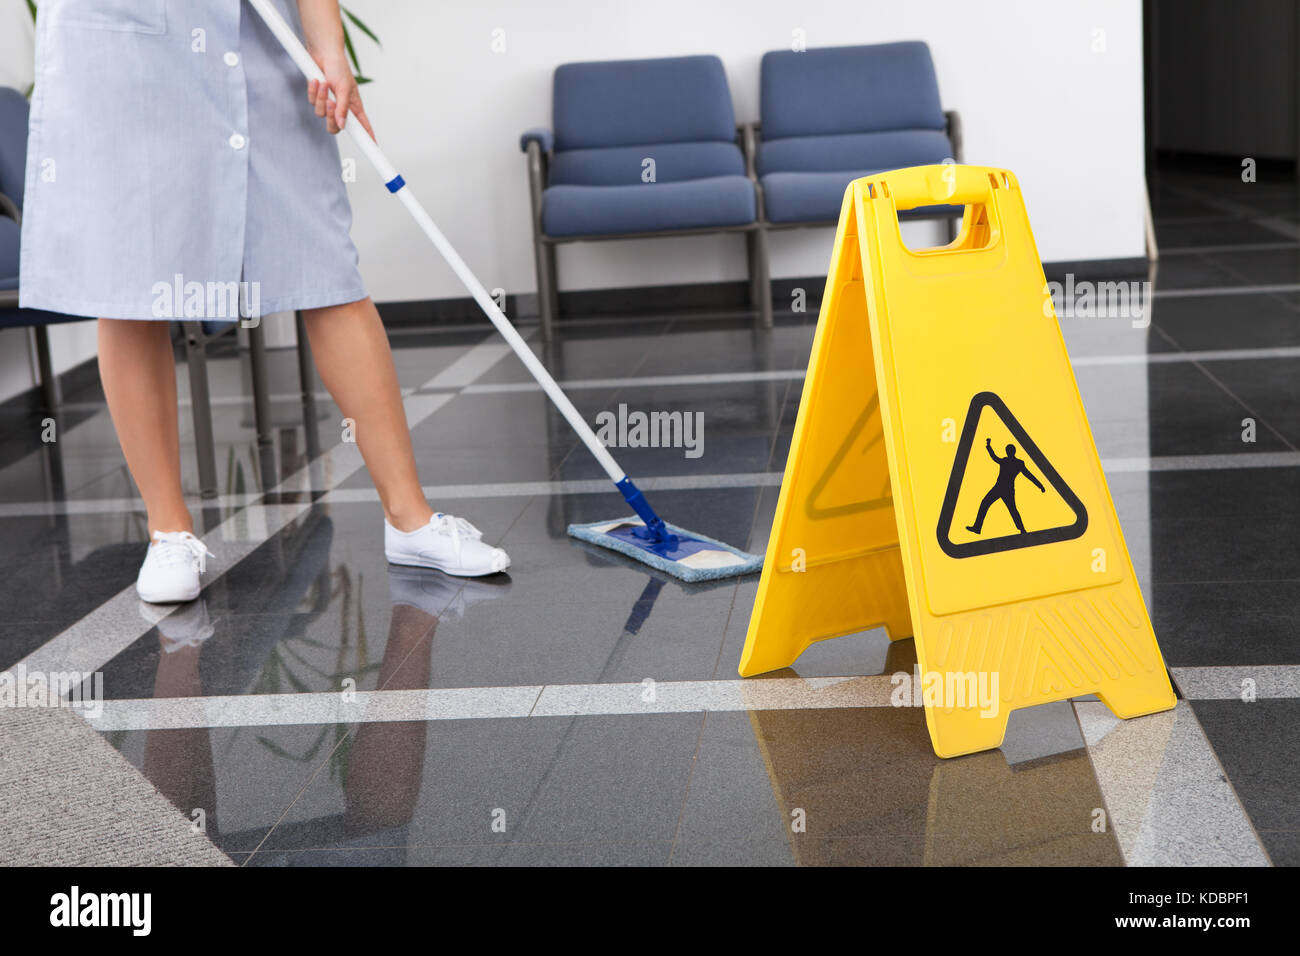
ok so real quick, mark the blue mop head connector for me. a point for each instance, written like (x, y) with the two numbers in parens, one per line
(676, 551)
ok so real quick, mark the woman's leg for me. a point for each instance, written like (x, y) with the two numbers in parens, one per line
(356, 365)
(139, 378)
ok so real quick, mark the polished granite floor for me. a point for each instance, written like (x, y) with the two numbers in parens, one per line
(322, 708)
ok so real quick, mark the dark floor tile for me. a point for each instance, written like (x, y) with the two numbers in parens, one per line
(1193, 271)
(1185, 235)
(1209, 492)
(585, 780)
(1258, 745)
(1283, 846)
(1260, 266)
(1165, 409)
(870, 791)
(1223, 549)
(236, 780)
(1227, 322)
(1270, 389)
(1204, 624)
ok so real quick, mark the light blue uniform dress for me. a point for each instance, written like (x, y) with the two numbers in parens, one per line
(172, 149)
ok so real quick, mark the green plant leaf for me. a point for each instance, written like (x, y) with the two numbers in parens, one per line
(352, 51)
(360, 76)
(360, 26)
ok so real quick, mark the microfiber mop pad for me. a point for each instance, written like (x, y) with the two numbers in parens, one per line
(687, 555)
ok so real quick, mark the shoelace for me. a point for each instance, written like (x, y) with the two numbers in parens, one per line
(173, 547)
(454, 527)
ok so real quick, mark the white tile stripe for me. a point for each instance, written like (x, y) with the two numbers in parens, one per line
(1205, 355)
(469, 367)
(447, 379)
(785, 375)
(588, 700)
(642, 381)
(573, 486)
(1167, 798)
(585, 486)
(1258, 459)
(472, 703)
(1226, 290)
(93, 506)
(1229, 682)
(1229, 247)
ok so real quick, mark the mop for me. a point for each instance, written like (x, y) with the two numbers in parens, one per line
(645, 537)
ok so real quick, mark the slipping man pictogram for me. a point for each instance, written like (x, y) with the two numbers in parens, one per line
(1009, 468)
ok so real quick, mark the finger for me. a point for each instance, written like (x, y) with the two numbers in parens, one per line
(322, 99)
(311, 91)
(359, 112)
(341, 108)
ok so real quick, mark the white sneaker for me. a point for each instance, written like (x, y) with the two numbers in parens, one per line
(171, 569)
(447, 543)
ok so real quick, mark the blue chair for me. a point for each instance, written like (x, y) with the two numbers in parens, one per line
(13, 164)
(640, 148)
(833, 115)
(13, 161)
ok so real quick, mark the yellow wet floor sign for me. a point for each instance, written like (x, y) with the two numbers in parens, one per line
(942, 480)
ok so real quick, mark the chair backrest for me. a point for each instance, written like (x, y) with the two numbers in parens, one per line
(849, 89)
(13, 143)
(681, 99)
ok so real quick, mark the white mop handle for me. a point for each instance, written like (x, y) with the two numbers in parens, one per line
(293, 46)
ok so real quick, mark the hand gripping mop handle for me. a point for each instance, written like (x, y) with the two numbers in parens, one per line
(395, 183)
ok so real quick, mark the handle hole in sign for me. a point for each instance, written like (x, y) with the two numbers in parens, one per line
(976, 233)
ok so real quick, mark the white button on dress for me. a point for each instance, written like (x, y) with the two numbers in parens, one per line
(150, 159)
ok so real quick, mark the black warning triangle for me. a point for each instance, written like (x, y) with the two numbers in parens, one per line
(1010, 542)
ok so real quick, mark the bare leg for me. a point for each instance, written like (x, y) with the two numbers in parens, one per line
(139, 378)
(356, 365)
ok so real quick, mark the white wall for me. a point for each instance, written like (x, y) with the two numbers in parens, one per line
(1033, 94)
(1035, 91)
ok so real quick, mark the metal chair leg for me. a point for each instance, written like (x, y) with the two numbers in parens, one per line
(760, 284)
(262, 406)
(307, 381)
(544, 314)
(201, 407)
(45, 367)
(261, 396)
(552, 254)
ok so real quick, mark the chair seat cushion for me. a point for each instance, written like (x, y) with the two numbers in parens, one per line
(817, 197)
(648, 207)
(893, 149)
(624, 165)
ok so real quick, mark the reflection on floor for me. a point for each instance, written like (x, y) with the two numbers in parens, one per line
(319, 707)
